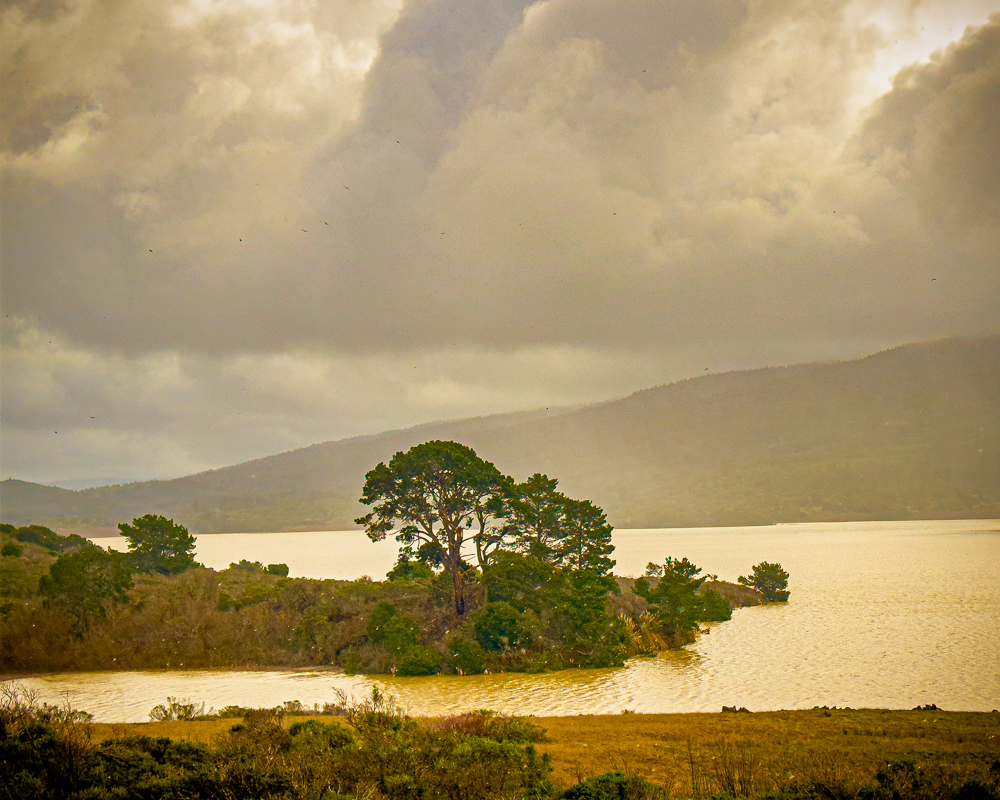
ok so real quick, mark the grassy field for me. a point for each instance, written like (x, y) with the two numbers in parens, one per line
(695, 754)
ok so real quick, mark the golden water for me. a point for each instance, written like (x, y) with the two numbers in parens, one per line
(888, 615)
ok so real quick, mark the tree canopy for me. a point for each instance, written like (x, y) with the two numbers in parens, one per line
(83, 581)
(158, 544)
(768, 579)
(678, 600)
(438, 493)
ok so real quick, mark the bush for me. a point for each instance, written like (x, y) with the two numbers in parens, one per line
(499, 626)
(417, 660)
(489, 724)
(177, 709)
(614, 786)
(465, 656)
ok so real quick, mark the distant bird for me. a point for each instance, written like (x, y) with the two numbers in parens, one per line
(933, 279)
(348, 188)
(326, 223)
(304, 230)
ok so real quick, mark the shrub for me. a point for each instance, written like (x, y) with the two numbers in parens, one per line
(417, 660)
(177, 709)
(499, 626)
(489, 724)
(615, 785)
(466, 656)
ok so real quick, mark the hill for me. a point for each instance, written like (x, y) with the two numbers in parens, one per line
(912, 432)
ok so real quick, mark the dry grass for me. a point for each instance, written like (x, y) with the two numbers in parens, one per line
(846, 745)
(762, 748)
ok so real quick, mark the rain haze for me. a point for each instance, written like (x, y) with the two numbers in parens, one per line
(235, 227)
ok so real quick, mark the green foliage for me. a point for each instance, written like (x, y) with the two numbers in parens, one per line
(398, 634)
(518, 579)
(247, 566)
(158, 544)
(715, 608)
(49, 539)
(675, 600)
(11, 549)
(615, 785)
(768, 579)
(280, 570)
(499, 626)
(410, 570)
(546, 524)
(83, 581)
(436, 492)
(380, 615)
(417, 660)
(466, 656)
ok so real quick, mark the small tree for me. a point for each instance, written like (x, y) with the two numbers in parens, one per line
(158, 544)
(768, 579)
(679, 601)
(83, 581)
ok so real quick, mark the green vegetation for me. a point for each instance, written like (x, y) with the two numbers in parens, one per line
(788, 444)
(677, 601)
(372, 750)
(768, 579)
(379, 753)
(543, 598)
(437, 491)
(158, 544)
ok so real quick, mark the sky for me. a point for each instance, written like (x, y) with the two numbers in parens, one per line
(229, 228)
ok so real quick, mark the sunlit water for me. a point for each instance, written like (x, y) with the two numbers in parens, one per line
(889, 615)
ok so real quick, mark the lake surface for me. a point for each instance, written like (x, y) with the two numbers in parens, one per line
(882, 614)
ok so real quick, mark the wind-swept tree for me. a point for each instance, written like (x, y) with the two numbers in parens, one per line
(158, 544)
(436, 492)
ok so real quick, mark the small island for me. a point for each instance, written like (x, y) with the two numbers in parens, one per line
(538, 595)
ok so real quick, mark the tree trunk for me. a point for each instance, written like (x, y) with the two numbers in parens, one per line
(458, 583)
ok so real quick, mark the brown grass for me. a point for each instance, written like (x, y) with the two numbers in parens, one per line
(764, 747)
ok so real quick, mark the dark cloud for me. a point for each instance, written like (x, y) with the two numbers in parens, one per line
(937, 135)
(207, 195)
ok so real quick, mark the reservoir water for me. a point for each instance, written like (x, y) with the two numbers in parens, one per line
(882, 614)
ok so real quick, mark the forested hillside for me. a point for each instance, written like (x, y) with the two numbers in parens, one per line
(912, 432)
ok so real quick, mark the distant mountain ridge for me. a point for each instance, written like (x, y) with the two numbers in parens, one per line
(911, 432)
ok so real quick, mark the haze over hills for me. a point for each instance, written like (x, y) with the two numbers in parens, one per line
(908, 433)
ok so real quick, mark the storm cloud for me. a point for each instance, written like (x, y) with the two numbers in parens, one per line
(231, 228)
